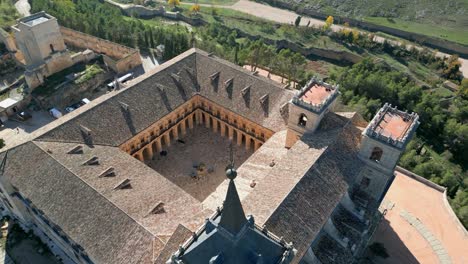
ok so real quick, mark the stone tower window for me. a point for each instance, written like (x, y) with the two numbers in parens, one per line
(302, 120)
(376, 154)
(52, 50)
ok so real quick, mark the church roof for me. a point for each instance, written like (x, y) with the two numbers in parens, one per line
(114, 218)
(156, 94)
(231, 238)
(87, 218)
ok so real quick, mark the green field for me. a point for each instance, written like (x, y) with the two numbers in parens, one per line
(444, 32)
(438, 18)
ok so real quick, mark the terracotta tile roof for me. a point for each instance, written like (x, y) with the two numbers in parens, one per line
(316, 94)
(393, 125)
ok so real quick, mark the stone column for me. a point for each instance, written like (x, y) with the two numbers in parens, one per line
(247, 142)
(150, 151)
(197, 119)
(239, 138)
(207, 120)
(257, 145)
(158, 145)
(167, 138)
(176, 132)
(183, 127)
(215, 125)
(223, 129)
(230, 132)
(138, 156)
(190, 121)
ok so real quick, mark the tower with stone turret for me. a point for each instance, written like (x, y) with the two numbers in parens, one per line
(383, 141)
(308, 107)
(39, 39)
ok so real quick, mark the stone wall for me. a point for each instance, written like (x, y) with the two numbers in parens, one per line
(118, 57)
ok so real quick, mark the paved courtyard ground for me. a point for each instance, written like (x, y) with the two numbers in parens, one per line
(419, 226)
(201, 146)
(14, 136)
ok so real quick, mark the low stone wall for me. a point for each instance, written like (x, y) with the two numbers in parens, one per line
(145, 12)
(420, 179)
(334, 55)
(432, 42)
(118, 57)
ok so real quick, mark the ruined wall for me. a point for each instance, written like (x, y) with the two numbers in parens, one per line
(118, 57)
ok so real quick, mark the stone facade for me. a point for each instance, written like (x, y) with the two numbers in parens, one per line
(196, 111)
(38, 38)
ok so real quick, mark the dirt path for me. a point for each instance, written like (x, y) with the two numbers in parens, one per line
(288, 17)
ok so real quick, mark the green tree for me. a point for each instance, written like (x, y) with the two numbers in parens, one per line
(297, 22)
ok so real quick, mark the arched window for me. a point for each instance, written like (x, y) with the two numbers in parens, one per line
(376, 154)
(302, 120)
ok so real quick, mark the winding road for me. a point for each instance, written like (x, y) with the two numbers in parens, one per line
(288, 17)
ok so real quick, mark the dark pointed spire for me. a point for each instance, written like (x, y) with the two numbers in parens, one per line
(233, 216)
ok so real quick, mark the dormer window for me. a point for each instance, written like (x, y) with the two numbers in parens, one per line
(302, 120)
(376, 154)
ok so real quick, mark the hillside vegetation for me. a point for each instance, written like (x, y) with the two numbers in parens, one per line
(437, 18)
(8, 13)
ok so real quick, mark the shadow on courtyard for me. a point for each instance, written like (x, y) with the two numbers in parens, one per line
(197, 161)
(394, 247)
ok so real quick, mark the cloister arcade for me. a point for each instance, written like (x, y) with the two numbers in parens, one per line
(197, 111)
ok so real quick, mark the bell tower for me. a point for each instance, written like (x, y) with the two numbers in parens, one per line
(308, 107)
(383, 141)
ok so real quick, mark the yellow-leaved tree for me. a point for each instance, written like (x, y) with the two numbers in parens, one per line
(173, 3)
(195, 8)
(328, 22)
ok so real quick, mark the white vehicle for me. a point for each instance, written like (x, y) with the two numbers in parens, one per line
(85, 101)
(55, 112)
(122, 79)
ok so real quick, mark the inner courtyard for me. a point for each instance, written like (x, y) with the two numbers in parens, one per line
(197, 161)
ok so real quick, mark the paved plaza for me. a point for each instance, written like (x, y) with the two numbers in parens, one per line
(420, 226)
(17, 132)
(199, 146)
